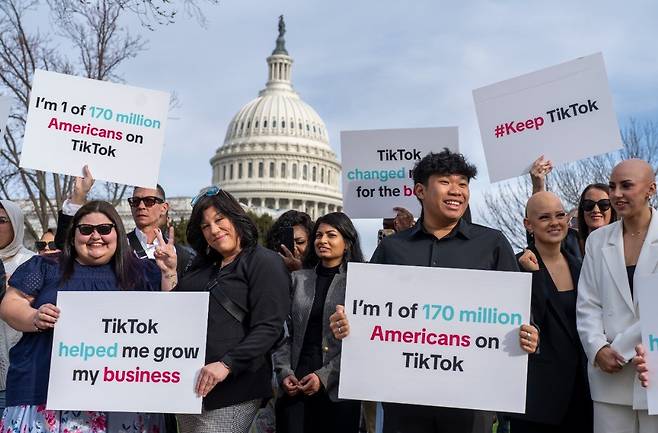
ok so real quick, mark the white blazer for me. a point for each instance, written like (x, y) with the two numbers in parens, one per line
(607, 314)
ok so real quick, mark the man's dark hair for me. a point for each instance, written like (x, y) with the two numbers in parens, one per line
(290, 218)
(225, 204)
(444, 163)
(159, 188)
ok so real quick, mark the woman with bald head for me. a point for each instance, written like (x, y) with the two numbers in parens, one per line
(607, 310)
(557, 398)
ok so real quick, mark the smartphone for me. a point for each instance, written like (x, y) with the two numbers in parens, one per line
(287, 238)
(382, 233)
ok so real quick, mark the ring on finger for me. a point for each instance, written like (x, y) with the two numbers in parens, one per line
(340, 330)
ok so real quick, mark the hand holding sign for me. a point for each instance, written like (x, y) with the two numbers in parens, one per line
(339, 324)
(45, 317)
(82, 186)
(640, 362)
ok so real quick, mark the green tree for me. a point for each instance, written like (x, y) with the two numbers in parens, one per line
(263, 223)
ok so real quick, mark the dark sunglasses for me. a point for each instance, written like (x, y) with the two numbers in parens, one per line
(101, 229)
(42, 245)
(206, 192)
(603, 204)
(149, 201)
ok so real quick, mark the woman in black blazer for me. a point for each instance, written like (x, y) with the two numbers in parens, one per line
(249, 300)
(558, 398)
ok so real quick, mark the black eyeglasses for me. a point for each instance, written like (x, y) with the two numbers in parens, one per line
(101, 229)
(149, 201)
(206, 192)
(603, 205)
(42, 245)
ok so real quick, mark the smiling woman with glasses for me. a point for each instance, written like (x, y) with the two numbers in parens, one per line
(96, 257)
(594, 211)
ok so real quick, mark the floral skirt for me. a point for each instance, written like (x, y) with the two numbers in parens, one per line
(36, 419)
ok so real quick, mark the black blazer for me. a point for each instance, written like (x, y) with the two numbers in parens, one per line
(552, 372)
(257, 282)
(184, 254)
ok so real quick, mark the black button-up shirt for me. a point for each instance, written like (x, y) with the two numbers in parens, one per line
(467, 246)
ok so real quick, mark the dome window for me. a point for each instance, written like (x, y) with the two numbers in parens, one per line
(271, 169)
(314, 174)
(261, 169)
(224, 172)
(314, 129)
(305, 172)
(300, 125)
(231, 171)
(249, 124)
(241, 126)
(250, 169)
(256, 125)
(264, 123)
(308, 128)
(283, 124)
(240, 173)
(294, 171)
(322, 175)
(274, 124)
(283, 170)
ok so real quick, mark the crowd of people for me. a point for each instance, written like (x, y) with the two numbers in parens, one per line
(276, 319)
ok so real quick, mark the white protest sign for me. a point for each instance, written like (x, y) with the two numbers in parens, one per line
(377, 167)
(128, 351)
(5, 105)
(117, 130)
(646, 289)
(564, 112)
(435, 337)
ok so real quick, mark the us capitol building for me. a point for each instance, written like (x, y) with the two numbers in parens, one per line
(276, 152)
(275, 157)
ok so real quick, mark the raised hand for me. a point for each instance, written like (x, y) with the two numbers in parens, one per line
(538, 172)
(292, 261)
(82, 186)
(165, 252)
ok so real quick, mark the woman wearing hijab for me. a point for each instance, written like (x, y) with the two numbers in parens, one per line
(13, 254)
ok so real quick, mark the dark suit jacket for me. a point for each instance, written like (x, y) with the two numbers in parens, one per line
(552, 372)
(184, 254)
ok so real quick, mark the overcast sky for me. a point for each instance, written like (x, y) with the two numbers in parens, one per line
(382, 64)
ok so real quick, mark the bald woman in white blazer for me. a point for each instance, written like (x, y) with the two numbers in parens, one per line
(607, 311)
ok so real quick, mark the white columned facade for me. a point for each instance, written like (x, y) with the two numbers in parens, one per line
(285, 142)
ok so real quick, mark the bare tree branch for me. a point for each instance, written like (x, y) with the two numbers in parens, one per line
(505, 202)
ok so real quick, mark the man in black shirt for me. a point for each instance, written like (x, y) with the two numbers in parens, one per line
(442, 238)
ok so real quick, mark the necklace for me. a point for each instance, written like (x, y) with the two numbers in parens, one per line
(637, 233)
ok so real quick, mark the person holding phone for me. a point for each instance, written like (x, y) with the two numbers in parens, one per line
(290, 237)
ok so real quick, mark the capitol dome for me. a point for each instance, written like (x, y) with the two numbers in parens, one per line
(276, 152)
